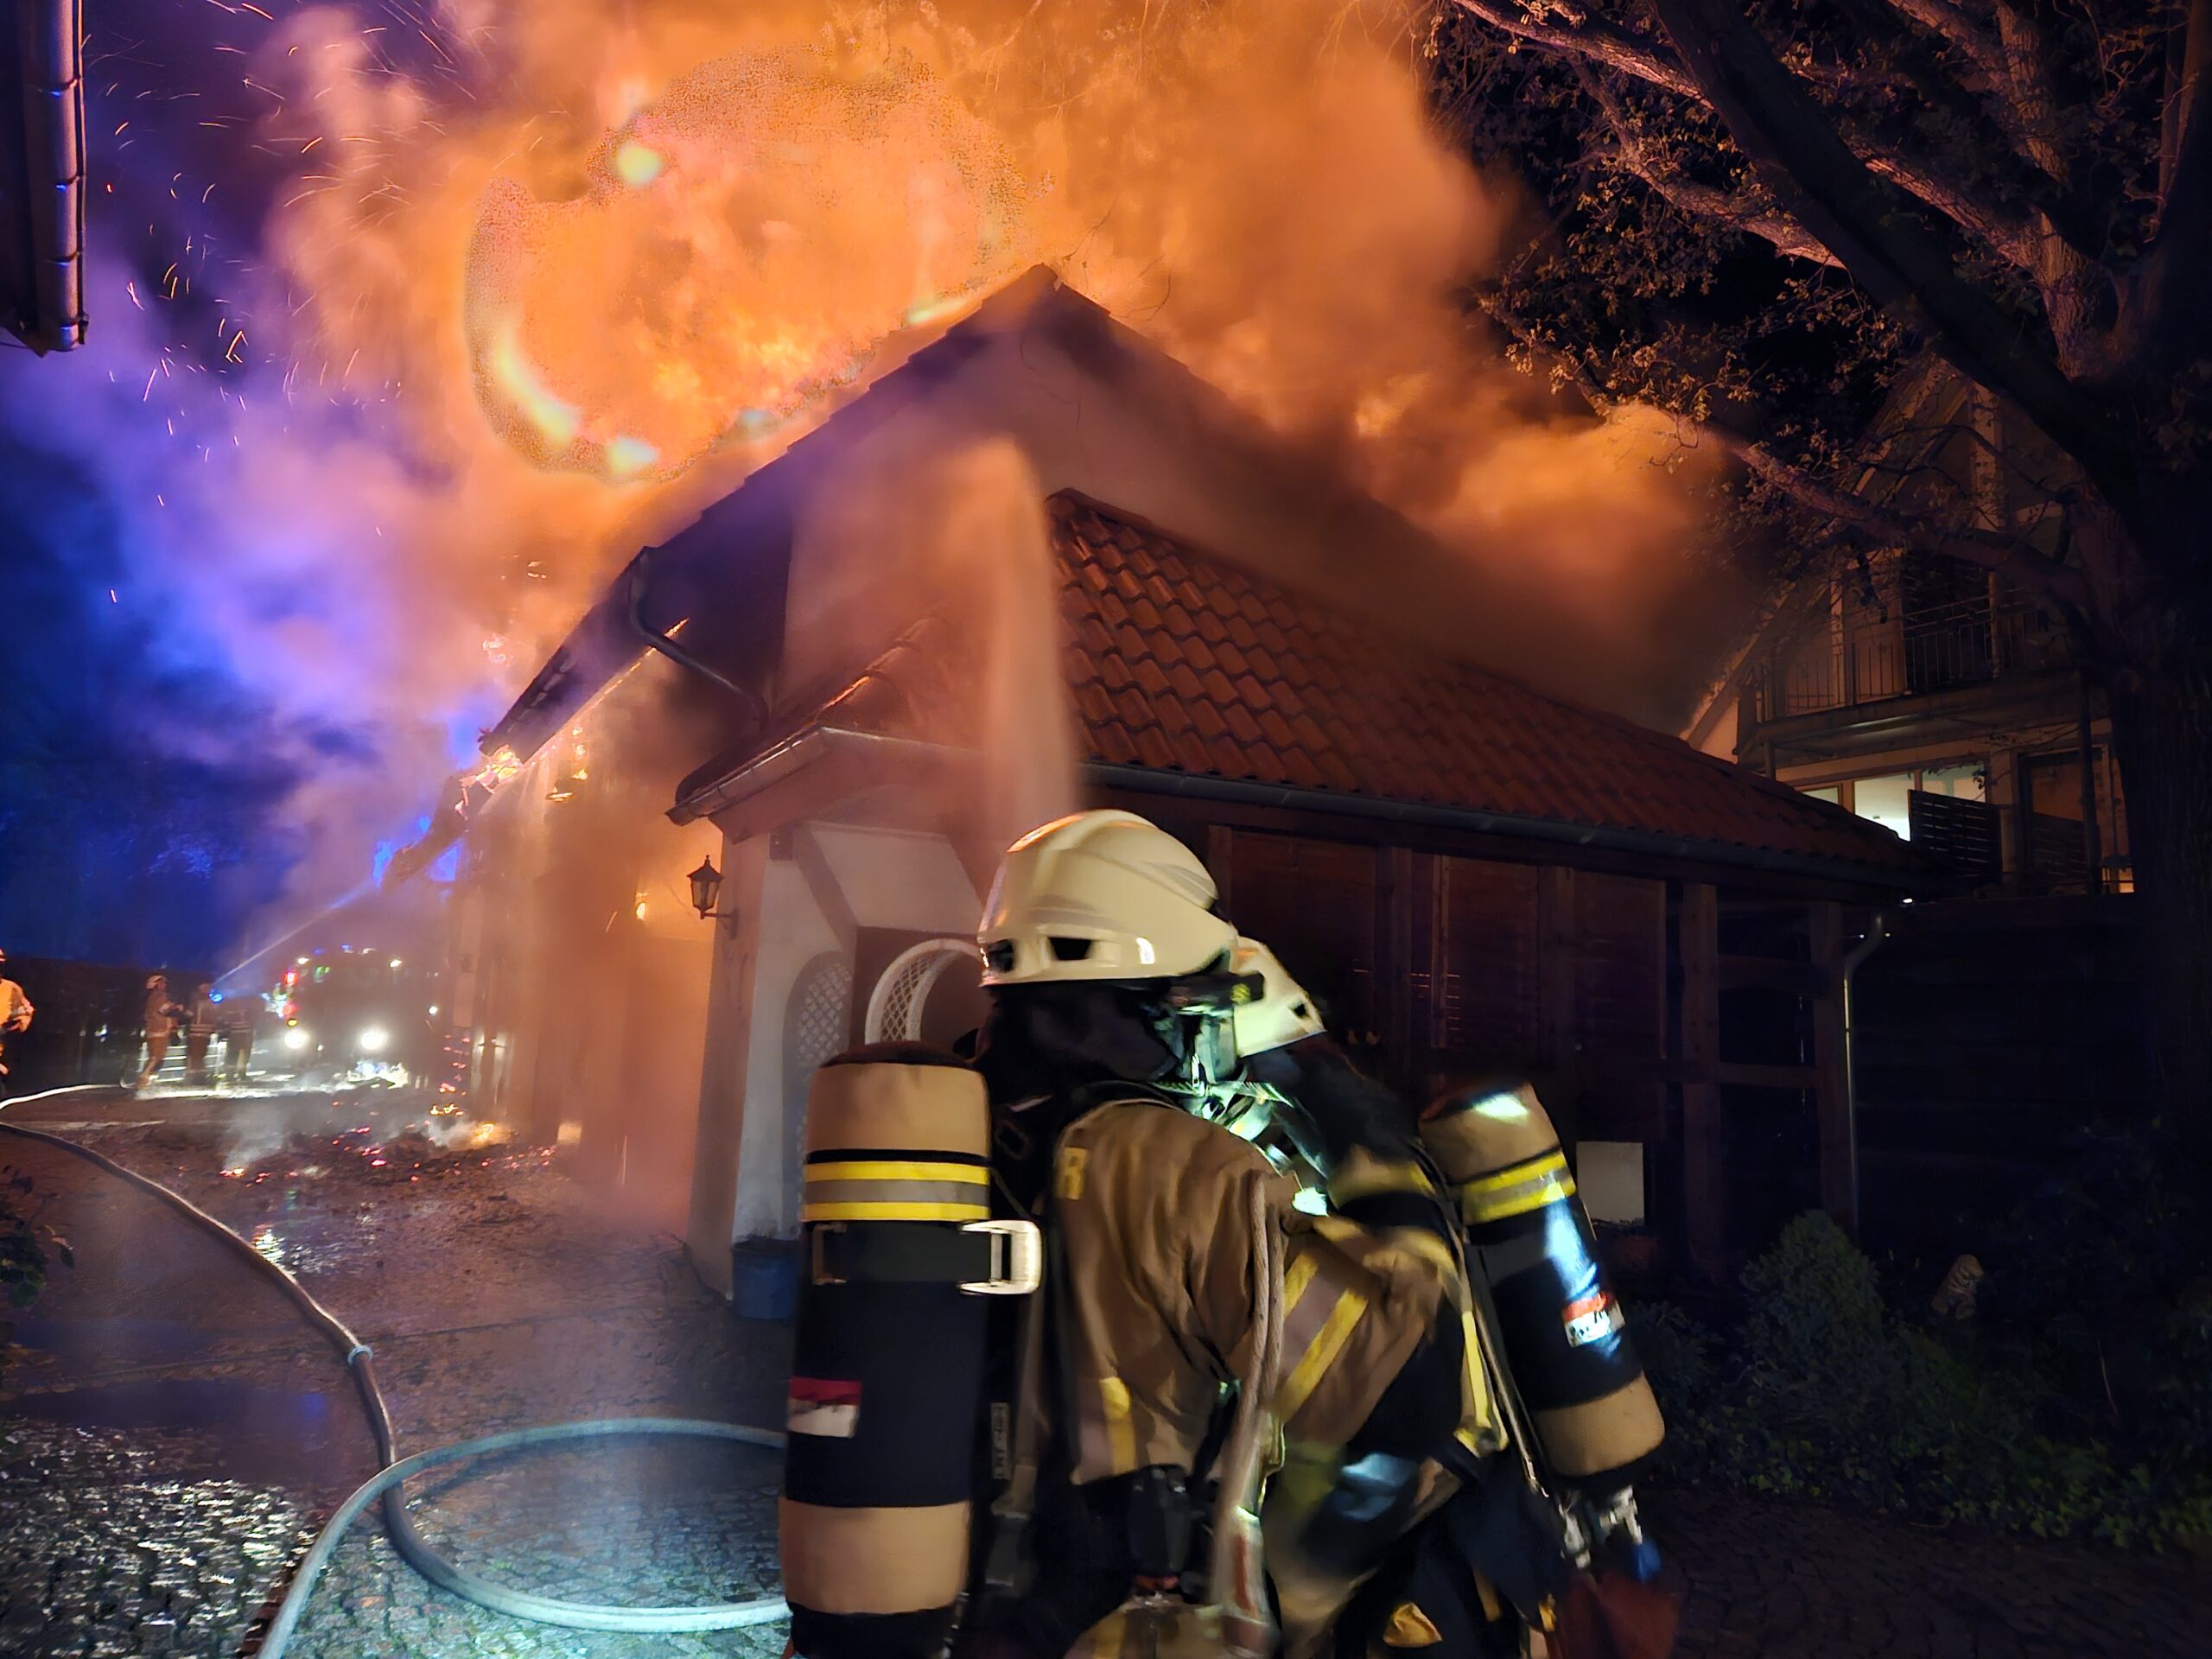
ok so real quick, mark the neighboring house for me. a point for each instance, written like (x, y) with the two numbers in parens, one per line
(1139, 601)
(1931, 696)
(1938, 700)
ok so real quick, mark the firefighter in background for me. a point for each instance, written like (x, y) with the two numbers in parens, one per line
(202, 1015)
(1196, 1310)
(240, 1023)
(161, 1016)
(16, 1012)
(1577, 1411)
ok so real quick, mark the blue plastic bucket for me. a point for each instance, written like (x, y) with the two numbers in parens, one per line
(764, 1279)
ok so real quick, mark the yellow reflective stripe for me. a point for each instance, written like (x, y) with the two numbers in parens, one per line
(1321, 1353)
(1515, 1174)
(895, 1189)
(1120, 1430)
(1530, 1185)
(1335, 1228)
(887, 1211)
(1295, 1278)
(1410, 1627)
(1493, 1609)
(1483, 1431)
(1551, 1189)
(1364, 1176)
(885, 1170)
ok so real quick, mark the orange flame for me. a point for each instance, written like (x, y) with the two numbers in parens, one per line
(739, 246)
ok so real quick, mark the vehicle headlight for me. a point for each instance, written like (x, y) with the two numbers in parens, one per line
(374, 1040)
(296, 1039)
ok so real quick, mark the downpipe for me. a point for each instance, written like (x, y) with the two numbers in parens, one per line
(1854, 959)
(389, 1483)
(756, 712)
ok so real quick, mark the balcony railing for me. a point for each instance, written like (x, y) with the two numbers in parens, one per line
(1873, 658)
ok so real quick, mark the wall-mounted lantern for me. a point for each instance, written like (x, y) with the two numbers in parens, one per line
(705, 887)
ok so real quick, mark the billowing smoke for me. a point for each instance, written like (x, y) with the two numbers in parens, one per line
(412, 321)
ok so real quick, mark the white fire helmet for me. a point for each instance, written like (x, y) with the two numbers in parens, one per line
(1283, 1013)
(1102, 895)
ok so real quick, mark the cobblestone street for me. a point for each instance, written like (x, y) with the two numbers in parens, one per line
(178, 1432)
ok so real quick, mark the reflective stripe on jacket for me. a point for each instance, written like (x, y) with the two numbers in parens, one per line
(1154, 1209)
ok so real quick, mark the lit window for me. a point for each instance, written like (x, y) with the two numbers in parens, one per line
(1883, 800)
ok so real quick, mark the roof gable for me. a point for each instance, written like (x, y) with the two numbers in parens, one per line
(1094, 407)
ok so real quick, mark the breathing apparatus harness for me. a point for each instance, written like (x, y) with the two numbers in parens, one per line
(1213, 1081)
(1188, 1538)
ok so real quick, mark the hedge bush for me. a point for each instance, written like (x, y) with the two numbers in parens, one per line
(28, 1246)
(1821, 1390)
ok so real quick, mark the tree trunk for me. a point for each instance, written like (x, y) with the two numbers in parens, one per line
(2160, 698)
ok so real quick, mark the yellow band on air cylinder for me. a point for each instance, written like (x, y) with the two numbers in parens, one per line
(1516, 1190)
(879, 1189)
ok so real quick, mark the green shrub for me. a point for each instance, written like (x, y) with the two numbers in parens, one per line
(25, 1241)
(1821, 1392)
(1682, 1359)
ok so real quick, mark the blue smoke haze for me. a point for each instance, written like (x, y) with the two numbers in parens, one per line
(183, 688)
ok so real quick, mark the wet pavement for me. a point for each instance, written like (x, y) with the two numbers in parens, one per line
(179, 1431)
(163, 1462)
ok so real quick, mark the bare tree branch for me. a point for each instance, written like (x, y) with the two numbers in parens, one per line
(2011, 235)
(2012, 83)
(2188, 45)
(2009, 556)
(1874, 228)
(1617, 48)
(2008, 233)
(1750, 212)
(1998, 67)
(1955, 27)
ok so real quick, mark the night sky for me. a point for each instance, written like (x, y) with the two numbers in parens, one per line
(153, 729)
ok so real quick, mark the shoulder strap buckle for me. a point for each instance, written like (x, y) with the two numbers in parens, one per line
(1017, 1258)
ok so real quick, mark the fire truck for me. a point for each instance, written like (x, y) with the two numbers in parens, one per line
(358, 1016)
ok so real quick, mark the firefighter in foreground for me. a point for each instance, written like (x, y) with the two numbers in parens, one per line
(1196, 1330)
(1569, 1556)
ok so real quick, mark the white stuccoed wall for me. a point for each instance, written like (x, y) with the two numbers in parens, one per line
(792, 912)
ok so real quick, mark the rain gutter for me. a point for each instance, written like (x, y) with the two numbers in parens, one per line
(53, 173)
(1647, 844)
(803, 749)
(1853, 961)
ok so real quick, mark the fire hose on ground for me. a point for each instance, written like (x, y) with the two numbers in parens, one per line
(389, 1483)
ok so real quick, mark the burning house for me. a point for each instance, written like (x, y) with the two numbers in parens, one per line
(1040, 565)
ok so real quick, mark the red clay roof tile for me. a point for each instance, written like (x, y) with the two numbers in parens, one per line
(1183, 663)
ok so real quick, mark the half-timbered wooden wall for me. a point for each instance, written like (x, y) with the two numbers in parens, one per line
(1646, 1009)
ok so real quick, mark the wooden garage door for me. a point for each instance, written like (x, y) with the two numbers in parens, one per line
(1620, 1002)
(1485, 977)
(1315, 903)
